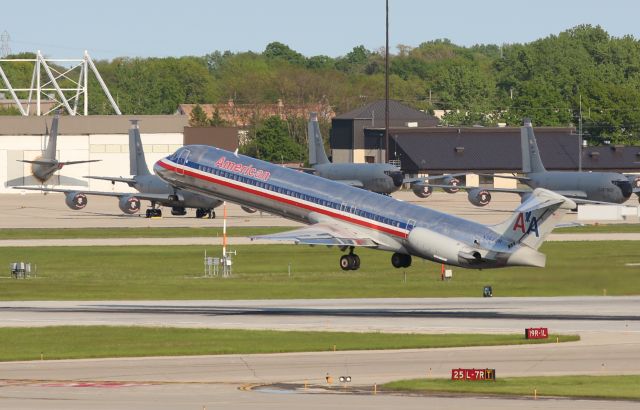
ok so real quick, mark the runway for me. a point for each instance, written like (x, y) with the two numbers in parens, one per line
(609, 326)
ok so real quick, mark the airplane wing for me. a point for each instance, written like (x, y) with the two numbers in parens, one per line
(323, 233)
(160, 198)
(129, 181)
(506, 177)
(577, 195)
(353, 182)
(66, 191)
(467, 188)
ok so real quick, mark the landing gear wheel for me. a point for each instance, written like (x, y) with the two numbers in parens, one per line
(356, 261)
(212, 215)
(345, 262)
(202, 212)
(349, 262)
(400, 260)
(153, 212)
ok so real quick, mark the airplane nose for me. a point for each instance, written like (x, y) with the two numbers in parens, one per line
(397, 178)
(625, 187)
(158, 169)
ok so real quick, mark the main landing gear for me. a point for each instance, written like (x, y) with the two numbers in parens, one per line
(154, 212)
(350, 261)
(400, 260)
(205, 212)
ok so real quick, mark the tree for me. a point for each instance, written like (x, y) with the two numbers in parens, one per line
(274, 144)
(216, 120)
(198, 118)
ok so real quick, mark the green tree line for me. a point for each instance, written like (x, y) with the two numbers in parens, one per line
(553, 80)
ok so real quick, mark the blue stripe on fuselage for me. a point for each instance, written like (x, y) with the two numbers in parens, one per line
(290, 196)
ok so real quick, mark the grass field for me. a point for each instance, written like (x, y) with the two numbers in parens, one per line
(47, 233)
(90, 233)
(608, 228)
(75, 342)
(618, 387)
(262, 272)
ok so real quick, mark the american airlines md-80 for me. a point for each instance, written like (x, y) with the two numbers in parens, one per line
(349, 217)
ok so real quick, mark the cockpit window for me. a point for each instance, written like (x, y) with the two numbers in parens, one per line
(625, 187)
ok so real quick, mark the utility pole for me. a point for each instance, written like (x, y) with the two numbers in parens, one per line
(580, 136)
(386, 87)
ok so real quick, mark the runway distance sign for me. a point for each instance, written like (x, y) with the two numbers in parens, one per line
(473, 374)
(536, 333)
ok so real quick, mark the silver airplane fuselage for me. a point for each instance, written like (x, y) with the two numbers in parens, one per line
(395, 225)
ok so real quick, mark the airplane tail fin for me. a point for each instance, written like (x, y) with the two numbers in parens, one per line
(534, 219)
(50, 150)
(317, 154)
(531, 161)
(137, 163)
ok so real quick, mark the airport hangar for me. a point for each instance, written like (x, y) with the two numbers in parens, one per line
(103, 137)
(416, 141)
(421, 147)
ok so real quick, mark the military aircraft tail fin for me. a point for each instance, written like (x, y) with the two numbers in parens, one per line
(531, 161)
(317, 154)
(50, 150)
(137, 163)
(534, 219)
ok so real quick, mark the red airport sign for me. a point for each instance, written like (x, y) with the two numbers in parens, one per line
(473, 374)
(536, 333)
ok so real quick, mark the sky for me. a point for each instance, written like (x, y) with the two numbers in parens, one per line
(148, 28)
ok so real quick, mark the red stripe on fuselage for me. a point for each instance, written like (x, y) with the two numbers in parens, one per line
(221, 181)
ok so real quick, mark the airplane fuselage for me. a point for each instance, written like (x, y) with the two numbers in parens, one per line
(44, 169)
(380, 178)
(152, 184)
(396, 226)
(598, 186)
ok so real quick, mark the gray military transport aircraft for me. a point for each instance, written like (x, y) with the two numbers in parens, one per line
(149, 187)
(582, 187)
(349, 217)
(44, 166)
(378, 177)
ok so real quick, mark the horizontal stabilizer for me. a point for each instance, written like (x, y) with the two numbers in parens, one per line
(39, 162)
(79, 162)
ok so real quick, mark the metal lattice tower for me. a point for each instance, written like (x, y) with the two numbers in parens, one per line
(63, 87)
(5, 50)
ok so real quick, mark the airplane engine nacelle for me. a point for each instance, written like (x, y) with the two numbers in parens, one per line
(454, 182)
(75, 200)
(129, 204)
(635, 182)
(479, 196)
(440, 248)
(423, 191)
(248, 209)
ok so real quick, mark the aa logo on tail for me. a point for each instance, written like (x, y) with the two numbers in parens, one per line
(526, 223)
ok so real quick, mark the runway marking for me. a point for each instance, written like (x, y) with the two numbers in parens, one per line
(632, 264)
